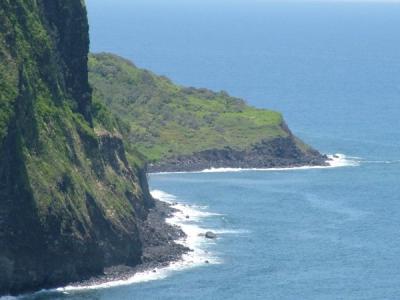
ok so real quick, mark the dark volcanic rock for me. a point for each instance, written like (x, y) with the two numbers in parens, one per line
(159, 250)
(210, 235)
(277, 153)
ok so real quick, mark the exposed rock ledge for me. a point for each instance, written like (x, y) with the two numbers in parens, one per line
(277, 153)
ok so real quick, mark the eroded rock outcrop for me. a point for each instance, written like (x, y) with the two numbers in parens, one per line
(271, 153)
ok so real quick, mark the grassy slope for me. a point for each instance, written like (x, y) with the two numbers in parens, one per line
(165, 119)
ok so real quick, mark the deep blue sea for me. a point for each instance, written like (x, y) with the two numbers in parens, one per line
(333, 70)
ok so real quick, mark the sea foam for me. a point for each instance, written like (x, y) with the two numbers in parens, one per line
(337, 160)
(193, 240)
(334, 161)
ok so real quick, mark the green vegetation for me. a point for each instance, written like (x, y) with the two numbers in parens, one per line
(73, 193)
(164, 119)
(70, 203)
(56, 139)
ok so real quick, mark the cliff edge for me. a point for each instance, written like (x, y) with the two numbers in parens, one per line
(71, 204)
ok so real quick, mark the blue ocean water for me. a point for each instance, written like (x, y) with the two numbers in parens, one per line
(333, 70)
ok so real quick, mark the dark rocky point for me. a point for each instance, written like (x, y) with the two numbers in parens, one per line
(277, 153)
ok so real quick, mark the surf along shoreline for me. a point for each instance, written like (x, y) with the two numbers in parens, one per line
(187, 234)
(181, 250)
(337, 160)
(172, 242)
(173, 237)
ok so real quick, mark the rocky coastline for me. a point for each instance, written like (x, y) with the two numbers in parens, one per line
(159, 249)
(75, 206)
(278, 153)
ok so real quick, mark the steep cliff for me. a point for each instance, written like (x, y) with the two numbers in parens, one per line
(185, 129)
(70, 203)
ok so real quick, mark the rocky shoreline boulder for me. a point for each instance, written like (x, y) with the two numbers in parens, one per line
(210, 235)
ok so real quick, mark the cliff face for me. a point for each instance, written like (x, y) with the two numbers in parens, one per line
(70, 203)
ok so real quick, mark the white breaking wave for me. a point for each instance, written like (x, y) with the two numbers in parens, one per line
(186, 218)
(340, 160)
(334, 161)
(184, 210)
(223, 170)
(160, 195)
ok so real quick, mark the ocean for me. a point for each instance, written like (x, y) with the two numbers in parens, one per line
(333, 70)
